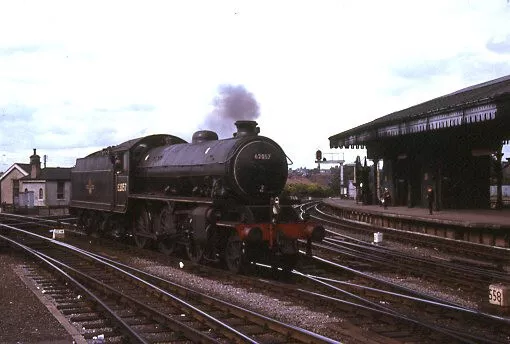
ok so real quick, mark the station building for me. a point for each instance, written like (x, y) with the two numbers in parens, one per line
(30, 186)
(452, 143)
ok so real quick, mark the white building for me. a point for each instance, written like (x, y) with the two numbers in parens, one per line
(27, 185)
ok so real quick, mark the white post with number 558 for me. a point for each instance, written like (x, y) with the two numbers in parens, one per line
(499, 295)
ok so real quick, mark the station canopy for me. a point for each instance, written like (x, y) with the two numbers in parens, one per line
(485, 102)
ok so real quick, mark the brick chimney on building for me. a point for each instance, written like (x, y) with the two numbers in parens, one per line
(35, 166)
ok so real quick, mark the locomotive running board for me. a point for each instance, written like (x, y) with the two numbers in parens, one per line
(172, 199)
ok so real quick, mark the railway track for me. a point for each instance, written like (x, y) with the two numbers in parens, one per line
(139, 310)
(361, 315)
(487, 262)
(415, 316)
(459, 275)
(455, 268)
(483, 254)
(369, 314)
(366, 262)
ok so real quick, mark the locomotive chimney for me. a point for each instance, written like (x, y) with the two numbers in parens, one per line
(246, 128)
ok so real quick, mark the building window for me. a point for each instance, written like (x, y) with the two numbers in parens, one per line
(26, 190)
(60, 190)
(41, 193)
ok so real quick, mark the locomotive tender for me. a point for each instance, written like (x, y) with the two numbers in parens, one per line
(215, 198)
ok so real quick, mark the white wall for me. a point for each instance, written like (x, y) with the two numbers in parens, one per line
(504, 188)
(34, 187)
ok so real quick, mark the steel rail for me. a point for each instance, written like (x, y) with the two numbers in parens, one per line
(151, 312)
(462, 336)
(289, 330)
(472, 247)
(122, 325)
(211, 320)
(284, 329)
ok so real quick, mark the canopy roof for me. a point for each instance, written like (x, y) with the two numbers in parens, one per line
(444, 111)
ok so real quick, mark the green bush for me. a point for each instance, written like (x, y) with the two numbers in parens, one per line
(307, 190)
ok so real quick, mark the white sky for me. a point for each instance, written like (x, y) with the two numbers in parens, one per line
(79, 76)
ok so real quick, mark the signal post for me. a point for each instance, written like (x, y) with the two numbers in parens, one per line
(320, 159)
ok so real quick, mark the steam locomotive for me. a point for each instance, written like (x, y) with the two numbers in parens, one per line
(216, 199)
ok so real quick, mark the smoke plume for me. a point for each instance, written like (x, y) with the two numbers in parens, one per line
(231, 104)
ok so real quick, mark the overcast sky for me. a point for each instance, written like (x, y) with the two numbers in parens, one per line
(79, 76)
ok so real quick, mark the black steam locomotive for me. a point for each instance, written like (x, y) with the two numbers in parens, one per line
(215, 199)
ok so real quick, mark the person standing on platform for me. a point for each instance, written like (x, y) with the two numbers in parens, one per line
(430, 198)
(386, 198)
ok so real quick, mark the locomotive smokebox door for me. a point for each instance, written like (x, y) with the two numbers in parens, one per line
(202, 219)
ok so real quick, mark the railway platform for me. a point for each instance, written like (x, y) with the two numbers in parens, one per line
(27, 316)
(484, 226)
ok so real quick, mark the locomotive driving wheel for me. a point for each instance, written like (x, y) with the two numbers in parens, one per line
(195, 251)
(234, 254)
(81, 220)
(142, 228)
(91, 222)
(166, 245)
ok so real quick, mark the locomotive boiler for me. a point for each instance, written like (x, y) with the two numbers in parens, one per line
(217, 199)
